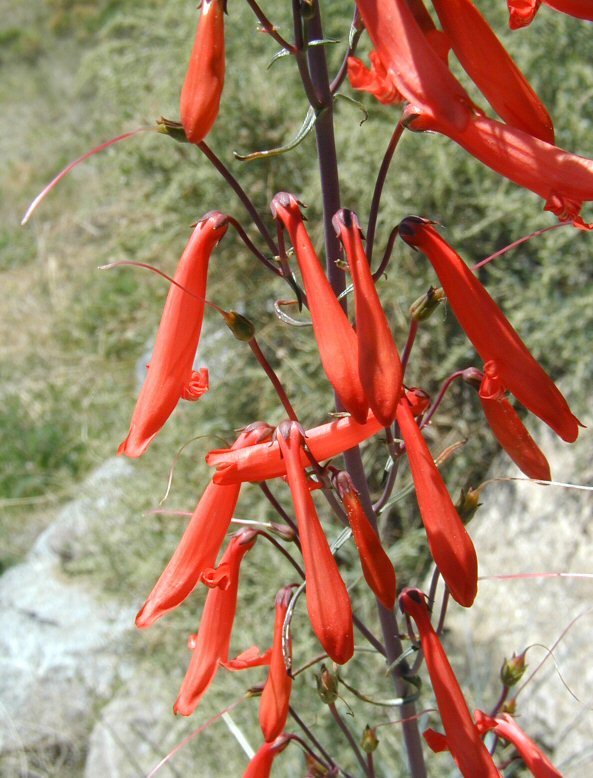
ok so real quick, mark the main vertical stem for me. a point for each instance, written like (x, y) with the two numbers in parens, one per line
(330, 187)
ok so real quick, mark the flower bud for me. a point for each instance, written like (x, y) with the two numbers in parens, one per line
(513, 669)
(327, 686)
(423, 308)
(467, 504)
(473, 377)
(172, 129)
(283, 531)
(369, 740)
(510, 707)
(239, 325)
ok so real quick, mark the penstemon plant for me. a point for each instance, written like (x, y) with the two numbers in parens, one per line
(366, 367)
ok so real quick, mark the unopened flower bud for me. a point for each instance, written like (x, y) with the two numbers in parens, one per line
(315, 769)
(327, 686)
(513, 669)
(283, 531)
(467, 504)
(473, 377)
(172, 129)
(423, 308)
(239, 325)
(369, 740)
(510, 707)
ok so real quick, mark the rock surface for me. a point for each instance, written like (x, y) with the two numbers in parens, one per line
(527, 528)
(59, 640)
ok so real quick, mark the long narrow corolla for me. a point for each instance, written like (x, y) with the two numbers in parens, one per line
(170, 376)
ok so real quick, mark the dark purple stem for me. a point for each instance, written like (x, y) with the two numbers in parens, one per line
(328, 168)
(409, 344)
(386, 254)
(381, 176)
(253, 344)
(277, 507)
(314, 740)
(349, 737)
(269, 28)
(442, 391)
(241, 194)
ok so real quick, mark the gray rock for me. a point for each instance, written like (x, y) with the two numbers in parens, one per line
(58, 639)
(527, 528)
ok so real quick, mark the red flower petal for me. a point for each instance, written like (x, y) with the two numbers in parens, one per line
(490, 331)
(336, 340)
(463, 738)
(204, 80)
(379, 365)
(450, 545)
(170, 376)
(490, 67)
(264, 461)
(328, 602)
(211, 644)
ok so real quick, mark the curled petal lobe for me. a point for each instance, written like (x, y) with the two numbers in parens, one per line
(450, 544)
(336, 340)
(507, 728)
(509, 364)
(273, 708)
(409, 59)
(512, 435)
(204, 80)
(201, 541)
(265, 461)
(521, 12)
(379, 365)
(488, 64)
(328, 602)
(170, 375)
(210, 646)
(374, 79)
(462, 737)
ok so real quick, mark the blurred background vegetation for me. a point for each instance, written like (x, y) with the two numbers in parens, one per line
(75, 73)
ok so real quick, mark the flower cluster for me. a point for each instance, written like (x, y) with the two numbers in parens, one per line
(366, 370)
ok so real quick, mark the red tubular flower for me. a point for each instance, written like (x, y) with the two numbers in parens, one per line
(204, 80)
(261, 764)
(418, 71)
(521, 12)
(211, 644)
(512, 435)
(506, 727)
(582, 9)
(328, 603)
(491, 333)
(273, 707)
(376, 565)
(379, 365)
(264, 461)
(201, 541)
(490, 67)
(563, 180)
(462, 735)
(336, 340)
(450, 545)
(170, 375)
